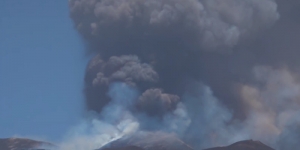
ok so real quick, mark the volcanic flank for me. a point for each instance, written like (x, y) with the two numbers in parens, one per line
(242, 145)
(207, 72)
(23, 144)
(151, 141)
(141, 141)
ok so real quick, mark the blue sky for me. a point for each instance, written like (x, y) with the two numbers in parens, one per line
(42, 63)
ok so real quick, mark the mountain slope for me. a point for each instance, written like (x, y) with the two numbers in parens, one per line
(163, 141)
(20, 143)
(150, 141)
(244, 145)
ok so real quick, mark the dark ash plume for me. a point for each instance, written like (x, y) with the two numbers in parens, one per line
(211, 71)
(155, 103)
(100, 74)
(139, 23)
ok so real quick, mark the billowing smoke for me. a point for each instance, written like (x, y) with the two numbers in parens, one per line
(98, 130)
(154, 102)
(211, 72)
(205, 23)
(273, 103)
(128, 69)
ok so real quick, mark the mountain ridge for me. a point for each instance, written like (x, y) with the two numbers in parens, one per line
(168, 142)
(22, 143)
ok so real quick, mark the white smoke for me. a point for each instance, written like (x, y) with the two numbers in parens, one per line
(272, 108)
(117, 120)
(273, 104)
(114, 122)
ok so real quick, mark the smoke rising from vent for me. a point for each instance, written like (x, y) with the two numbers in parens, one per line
(126, 68)
(210, 71)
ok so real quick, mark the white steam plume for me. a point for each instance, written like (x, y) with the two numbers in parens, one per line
(114, 122)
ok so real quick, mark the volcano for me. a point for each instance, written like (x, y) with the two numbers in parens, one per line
(244, 145)
(141, 141)
(149, 141)
(22, 144)
(163, 141)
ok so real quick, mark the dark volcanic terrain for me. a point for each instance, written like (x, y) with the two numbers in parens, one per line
(161, 142)
(149, 141)
(20, 144)
(244, 145)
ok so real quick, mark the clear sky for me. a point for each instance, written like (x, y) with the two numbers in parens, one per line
(42, 63)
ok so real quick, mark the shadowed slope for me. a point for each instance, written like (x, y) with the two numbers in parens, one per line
(244, 145)
(150, 141)
(20, 143)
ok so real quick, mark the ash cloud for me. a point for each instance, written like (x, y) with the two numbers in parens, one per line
(100, 74)
(209, 23)
(211, 71)
(155, 103)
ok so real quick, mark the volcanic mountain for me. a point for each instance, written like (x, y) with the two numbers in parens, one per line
(141, 141)
(148, 141)
(244, 145)
(163, 141)
(22, 144)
